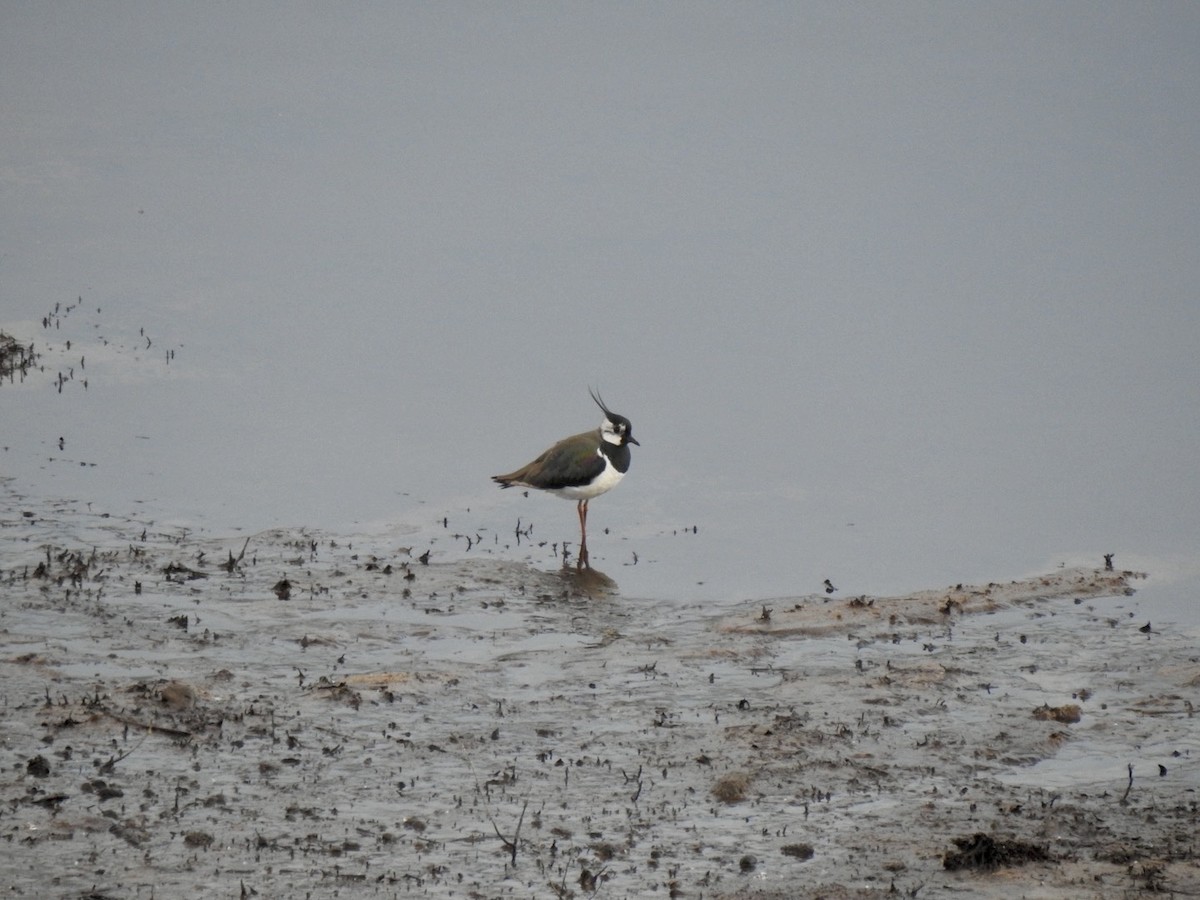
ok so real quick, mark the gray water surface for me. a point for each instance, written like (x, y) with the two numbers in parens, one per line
(896, 296)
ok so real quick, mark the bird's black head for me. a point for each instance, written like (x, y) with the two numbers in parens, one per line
(616, 429)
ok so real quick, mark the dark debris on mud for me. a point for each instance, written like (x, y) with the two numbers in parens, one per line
(177, 722)
(982, 851)
(16, 358)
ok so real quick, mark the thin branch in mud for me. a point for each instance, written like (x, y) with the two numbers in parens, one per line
(108, 767)
(149, 727)
(1129, 786)
(589, 880)
(511, 845)
(232, 563)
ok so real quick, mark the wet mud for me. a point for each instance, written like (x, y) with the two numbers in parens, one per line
(303, 714)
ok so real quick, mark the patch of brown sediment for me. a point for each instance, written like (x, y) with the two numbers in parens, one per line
(1067, 714)
(825, 892)
(732, 788)
(382, 679)
(817, 614)
(1184, 676)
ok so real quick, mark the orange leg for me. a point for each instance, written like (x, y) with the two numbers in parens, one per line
(583, 553)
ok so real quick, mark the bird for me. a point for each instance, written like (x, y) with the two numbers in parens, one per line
(580, 467)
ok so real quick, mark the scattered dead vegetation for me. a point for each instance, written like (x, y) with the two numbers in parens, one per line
(982, 851)
(16, 359)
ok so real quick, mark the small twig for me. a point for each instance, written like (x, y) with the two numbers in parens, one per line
(511, 845)
(232, 563)
(113, 760)
(1129, 786)
(147, 726)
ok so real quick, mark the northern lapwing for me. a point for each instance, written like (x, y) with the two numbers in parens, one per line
(580, 467)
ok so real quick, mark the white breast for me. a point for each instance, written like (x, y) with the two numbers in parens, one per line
(606, 482)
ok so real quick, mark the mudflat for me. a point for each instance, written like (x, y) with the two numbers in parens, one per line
(303, 714)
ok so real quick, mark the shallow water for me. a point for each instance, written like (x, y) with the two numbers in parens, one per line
(333, 272)
(138, 439)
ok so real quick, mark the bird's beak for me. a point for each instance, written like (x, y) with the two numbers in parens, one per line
(632, 440)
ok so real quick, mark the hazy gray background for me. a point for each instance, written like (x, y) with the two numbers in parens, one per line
(898, 294)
